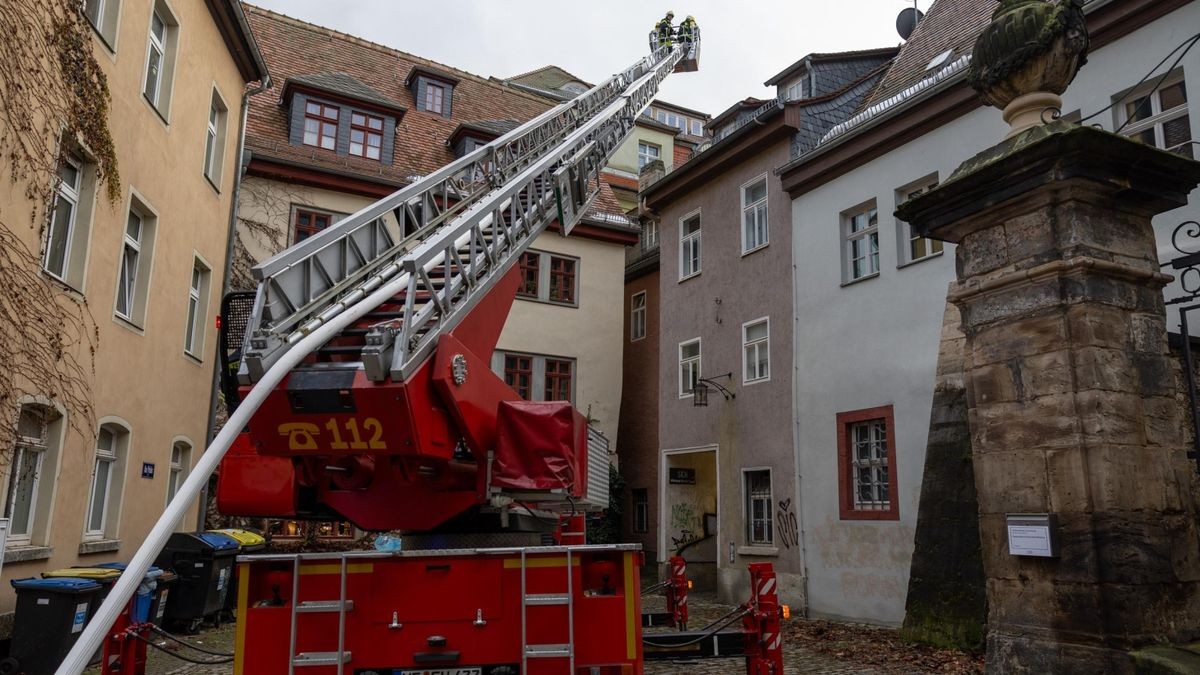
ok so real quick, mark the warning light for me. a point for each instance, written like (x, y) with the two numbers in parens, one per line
(691, 584)
(218, 322)
(786, 611)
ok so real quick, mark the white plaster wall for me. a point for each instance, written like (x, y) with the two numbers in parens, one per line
(591, 333)
(874, 342)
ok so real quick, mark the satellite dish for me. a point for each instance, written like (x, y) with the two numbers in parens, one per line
(907, 21)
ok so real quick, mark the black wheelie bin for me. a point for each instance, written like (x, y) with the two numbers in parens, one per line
(203, 561)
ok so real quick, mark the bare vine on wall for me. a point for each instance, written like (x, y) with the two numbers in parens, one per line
(264, 213)
(53, 93)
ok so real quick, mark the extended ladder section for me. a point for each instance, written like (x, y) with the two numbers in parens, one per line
(448, 237)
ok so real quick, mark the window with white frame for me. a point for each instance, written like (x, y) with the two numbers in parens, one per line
(754, 215)
(1159, 117)
(160, 57)
(914, 247)
(131, 252)
(69, 225)
(637, 316)
(197, 309)
(641, 510)
(861, 243)
(648, 152)
(869, 463)
(181, 461)
(756, 350)
(649, 235)
(133, 273)
(697, 128)
(689, 246)
(689, 367)
(759, 525)
(214, 140)
(27, 497)
(104, 499)
(537, 377)
(102, 14)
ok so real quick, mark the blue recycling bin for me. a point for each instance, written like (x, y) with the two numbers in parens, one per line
(147, 595)
(50, 616)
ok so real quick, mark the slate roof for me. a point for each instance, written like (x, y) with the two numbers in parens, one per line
(949, 25)
(344, 85)
(749, 103)
(881, 53)
(297, 49)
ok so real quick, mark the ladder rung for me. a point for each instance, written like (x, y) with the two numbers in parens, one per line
(546, 599)
(548, 651)
(320, 659)
(314, 606)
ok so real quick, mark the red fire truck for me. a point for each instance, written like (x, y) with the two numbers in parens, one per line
(359, 381)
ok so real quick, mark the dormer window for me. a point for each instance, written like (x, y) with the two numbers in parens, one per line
(366, 135)
(434, 95)
(432, 90)
(320, 125)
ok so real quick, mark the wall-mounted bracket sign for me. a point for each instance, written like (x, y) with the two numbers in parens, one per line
(1033, 534)
(681, 476)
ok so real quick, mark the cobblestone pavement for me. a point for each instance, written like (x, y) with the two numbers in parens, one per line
(703, 610)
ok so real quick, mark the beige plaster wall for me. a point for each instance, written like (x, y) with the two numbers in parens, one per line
(625, 158)
(142, 377)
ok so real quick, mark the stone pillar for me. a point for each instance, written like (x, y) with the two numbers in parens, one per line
(946, 604)
(1071, 394)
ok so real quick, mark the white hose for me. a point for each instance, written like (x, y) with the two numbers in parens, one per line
(96, 630)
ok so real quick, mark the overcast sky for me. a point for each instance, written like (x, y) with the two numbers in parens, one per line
(745, 43)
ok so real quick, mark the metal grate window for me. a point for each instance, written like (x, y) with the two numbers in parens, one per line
(759, 528)
(869, 465)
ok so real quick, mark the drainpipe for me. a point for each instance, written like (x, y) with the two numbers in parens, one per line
(229, 245)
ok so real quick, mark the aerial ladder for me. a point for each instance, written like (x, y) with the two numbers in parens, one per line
(363, 393)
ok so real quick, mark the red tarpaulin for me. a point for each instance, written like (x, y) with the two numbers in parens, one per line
(538, 446)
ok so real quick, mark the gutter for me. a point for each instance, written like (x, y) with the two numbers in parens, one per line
(230, 241)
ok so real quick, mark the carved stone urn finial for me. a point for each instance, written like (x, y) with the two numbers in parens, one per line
(1026, 57)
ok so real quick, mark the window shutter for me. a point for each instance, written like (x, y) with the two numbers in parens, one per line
(343, 132)
(447, 99)
(296, 123)
(420, 89)
(389, 140)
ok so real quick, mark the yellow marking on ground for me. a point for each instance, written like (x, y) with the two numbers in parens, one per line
(556, 561)
(630, 628)
(243, 601)
(356, 568)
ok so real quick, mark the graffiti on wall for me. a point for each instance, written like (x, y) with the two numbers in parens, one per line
(789, 528)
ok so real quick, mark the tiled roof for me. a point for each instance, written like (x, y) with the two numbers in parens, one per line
(949, 25)
(298, 49)
(295, 48)
(547, 77)
(345, 85)
(744, 104)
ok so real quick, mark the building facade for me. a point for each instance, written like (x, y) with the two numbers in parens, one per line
(870, 298)
(149, 263)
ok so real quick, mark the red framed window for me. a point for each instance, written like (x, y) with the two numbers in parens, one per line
(306, 223)
(562, 279)
(434, 96)
(558, 380)
(518, 373)
(867, 487)
(366, 135)
(530, 270)
(320, 125)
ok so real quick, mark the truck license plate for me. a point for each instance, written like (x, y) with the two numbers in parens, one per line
(473, 670)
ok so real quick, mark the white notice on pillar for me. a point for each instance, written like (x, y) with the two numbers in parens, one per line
(1032, 535)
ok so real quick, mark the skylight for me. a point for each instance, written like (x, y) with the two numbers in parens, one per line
(939, 60)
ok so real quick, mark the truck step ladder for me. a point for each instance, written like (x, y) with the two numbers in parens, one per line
(565, 599)
(339, 657)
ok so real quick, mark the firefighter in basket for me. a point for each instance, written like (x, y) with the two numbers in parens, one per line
(687, 31)
(664, 32)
